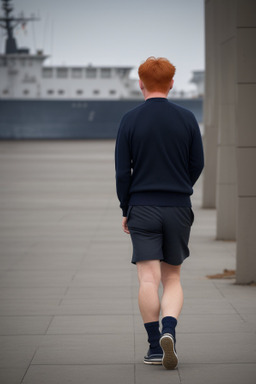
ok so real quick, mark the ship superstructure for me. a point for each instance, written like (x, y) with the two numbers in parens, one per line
(22, 74)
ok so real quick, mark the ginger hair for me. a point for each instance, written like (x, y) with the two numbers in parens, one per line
(156, 74)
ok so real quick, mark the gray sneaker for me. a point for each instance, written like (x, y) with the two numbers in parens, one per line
(170, 358)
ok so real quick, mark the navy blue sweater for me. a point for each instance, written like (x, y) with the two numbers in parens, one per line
(158, 155)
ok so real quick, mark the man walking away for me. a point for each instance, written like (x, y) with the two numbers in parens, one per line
(158, 157)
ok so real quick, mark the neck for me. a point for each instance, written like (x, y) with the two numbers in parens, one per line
(149, 95)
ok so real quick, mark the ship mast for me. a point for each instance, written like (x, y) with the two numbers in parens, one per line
(8, 23)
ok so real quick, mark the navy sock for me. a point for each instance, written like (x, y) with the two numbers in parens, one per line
(169, 323)
(153, 337)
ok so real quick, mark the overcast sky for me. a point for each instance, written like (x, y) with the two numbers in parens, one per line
(116, 32)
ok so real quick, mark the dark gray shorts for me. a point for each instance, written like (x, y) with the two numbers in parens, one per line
(160, 233)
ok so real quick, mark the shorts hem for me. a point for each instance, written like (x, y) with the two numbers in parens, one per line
(161, 259)
(134, 261)
(175, 264)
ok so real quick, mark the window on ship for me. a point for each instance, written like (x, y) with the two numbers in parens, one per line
(25, 92)
(61, 91)
(79, 92)
(105, 73)
(90, 73)
(62, 72)
(121, 72)
(50, 91)
(76, 72)
(96, 92)
(47, 72)
(112, 92)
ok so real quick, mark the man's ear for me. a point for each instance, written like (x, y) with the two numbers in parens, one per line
(141, 84)
(171, 85)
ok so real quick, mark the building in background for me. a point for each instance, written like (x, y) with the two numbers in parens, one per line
(229, 182)
(198, 80)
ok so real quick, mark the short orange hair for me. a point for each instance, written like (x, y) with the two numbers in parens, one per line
(156, 74)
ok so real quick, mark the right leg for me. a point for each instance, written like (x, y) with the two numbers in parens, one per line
(149, 275)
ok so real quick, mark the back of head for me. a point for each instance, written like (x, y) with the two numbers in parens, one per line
(156, 74)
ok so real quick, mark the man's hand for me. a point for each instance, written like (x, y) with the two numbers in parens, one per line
(124, 225)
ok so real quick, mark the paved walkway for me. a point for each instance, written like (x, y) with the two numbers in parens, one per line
(68, 291)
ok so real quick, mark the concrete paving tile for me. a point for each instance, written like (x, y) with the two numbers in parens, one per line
(28, 201)
(85, 349)
(212, 324)
(24, 325)
(218, 348)
(15, 247)
(152, 374)
(242, 306)
(19, 217)
(217, 373)
(36, 292)
(58, 251)
(25, 306)
(249, 319)
(18, 351)
(99, 277)
(198, 306)
(94, 324)
(12, 375)
(16, 278)
(231, 291)
(100, 248)
(48, 231)
(98, 292)
(48, 262)
(202, 292)
(8, 260)
(61, 244)
(93, 306)
(114, 263)
(80, 374)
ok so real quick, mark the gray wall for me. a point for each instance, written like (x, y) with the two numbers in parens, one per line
(230, 126)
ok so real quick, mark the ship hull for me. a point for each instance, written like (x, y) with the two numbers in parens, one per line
(70, 119)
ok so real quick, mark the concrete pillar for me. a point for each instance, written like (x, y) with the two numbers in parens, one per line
(210, 105)
(246, 140)
(226, 194)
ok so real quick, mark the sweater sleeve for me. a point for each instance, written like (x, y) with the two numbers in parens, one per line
(123, 167)
(196, 155)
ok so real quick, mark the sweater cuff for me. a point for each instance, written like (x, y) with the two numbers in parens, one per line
(125, 211)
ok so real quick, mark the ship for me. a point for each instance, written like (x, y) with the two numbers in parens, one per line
(39, 101)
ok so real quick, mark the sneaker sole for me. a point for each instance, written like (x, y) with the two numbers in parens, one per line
(170, 359)
(153, 362)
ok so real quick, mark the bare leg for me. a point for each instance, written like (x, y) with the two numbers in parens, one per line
(149, 274)
(172, 299)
